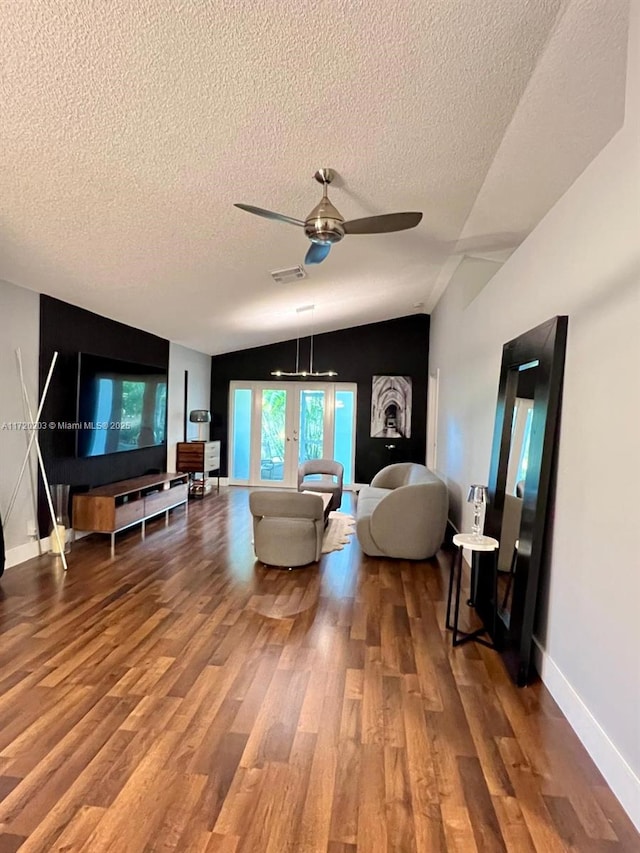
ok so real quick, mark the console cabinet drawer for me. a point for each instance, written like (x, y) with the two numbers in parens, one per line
(102, 515)
(211, 461)
(128, 513)
(164, 499)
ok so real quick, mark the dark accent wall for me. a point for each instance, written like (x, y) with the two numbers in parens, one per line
(70, 330)
(394, 347)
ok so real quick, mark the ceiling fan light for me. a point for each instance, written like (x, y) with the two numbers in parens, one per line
(324, 231)
(324, 223)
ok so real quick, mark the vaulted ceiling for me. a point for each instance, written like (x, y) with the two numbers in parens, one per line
(129, 130)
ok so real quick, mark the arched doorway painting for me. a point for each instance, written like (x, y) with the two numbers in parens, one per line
(391, 407)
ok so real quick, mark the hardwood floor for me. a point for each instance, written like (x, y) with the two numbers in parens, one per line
(182, 697)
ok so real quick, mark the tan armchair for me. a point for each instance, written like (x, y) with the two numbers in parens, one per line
(287, 527)
(330, 481)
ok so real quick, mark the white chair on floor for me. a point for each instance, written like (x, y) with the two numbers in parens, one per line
(322, 475)
(287, 527)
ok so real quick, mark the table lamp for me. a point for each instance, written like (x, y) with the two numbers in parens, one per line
(478, 497)
(200, 417)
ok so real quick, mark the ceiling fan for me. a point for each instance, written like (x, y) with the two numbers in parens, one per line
(325, 225)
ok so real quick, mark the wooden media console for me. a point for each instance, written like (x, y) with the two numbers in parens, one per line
(117, 506)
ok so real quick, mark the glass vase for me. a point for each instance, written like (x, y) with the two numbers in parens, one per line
(60, 534)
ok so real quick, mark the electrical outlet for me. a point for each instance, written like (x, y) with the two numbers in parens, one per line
(32, 530)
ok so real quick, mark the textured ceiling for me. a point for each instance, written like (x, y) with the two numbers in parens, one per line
(129, 129)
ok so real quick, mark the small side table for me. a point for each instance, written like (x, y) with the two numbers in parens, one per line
(198, 457)
(474, 543)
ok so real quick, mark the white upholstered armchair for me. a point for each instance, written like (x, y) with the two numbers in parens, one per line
(287, 527)
(322, 475)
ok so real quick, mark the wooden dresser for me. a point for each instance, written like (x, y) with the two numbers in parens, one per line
(198, 457)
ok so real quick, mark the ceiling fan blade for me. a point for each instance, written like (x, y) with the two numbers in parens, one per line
(382, 224)
(317, 253)
(270, 214)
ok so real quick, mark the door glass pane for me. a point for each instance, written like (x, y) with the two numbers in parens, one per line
(272, 434)
(311, 427)
(241, 440)
(343, 432)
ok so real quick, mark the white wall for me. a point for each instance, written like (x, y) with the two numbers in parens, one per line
(582, 260)
(20, 317)
(199, 394)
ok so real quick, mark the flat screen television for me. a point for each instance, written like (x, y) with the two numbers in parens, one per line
(122, 405)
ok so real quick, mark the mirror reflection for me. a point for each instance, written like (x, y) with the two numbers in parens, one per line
(514, 488)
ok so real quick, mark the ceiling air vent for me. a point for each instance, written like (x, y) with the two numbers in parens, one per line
(289, 274)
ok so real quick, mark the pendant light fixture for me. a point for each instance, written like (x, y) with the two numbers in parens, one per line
(310, 373)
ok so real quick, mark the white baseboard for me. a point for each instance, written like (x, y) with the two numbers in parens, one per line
(22, 553)
(619, 775)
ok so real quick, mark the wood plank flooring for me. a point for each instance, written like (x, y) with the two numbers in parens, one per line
(183, 697)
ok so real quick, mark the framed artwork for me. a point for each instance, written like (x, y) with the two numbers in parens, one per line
(391, 407)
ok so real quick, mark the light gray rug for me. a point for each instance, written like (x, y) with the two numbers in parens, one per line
(340, 527)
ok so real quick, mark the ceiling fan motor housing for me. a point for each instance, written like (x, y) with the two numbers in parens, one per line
(324, 224)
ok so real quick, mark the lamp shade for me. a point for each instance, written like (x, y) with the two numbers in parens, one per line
(477, 494)
(200, 416)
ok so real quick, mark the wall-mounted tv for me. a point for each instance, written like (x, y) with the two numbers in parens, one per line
(122, 405)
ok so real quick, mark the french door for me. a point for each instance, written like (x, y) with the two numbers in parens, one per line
(274, 426)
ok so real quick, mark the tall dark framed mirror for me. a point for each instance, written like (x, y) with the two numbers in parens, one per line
(522, 457)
